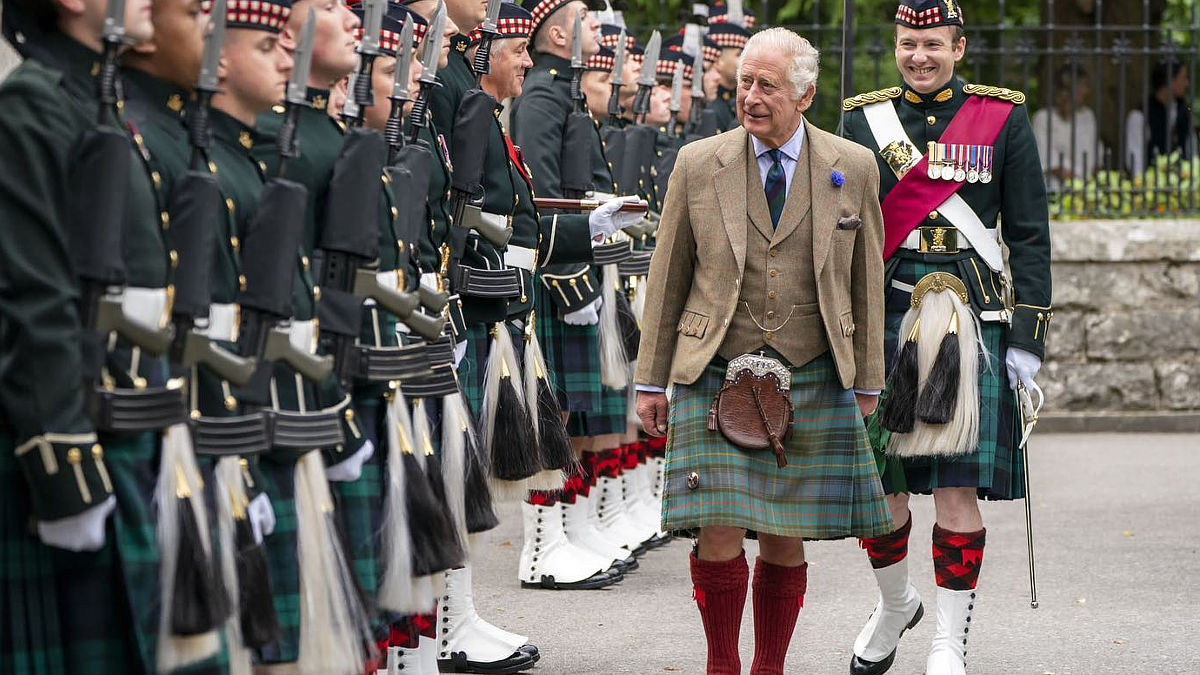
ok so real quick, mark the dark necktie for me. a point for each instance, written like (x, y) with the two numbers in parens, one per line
(776, 187)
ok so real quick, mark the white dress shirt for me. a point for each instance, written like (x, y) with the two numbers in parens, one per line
(789, 153)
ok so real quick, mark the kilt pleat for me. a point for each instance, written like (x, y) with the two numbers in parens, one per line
(473, 367)
(279, 482)
(830, 488)
(572, 356)
(995, 467)
(30, 636)
(359, 506)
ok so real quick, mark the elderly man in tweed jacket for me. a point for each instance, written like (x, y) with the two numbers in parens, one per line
(770, 243)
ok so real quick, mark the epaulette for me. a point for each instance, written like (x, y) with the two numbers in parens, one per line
(871, 97)
(1010, 95)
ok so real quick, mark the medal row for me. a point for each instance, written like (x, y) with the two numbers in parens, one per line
(960, 162)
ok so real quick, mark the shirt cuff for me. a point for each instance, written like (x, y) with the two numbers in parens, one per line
(649, 388)
(869, 392)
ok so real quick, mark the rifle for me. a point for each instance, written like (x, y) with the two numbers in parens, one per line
(575, 164)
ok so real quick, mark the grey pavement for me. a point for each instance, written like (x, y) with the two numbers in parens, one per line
(1117, 521)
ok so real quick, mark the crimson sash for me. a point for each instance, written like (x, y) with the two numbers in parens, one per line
(906, 206)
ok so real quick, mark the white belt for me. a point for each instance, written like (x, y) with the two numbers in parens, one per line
(223, 319)
(495, 219)
(913, 241)
(432, 281)
(303, 335)
(988, 316)
(145, 306)
(519, 256)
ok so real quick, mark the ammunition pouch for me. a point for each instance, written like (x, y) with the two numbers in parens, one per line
(612, 253)
(486, 283)
(222, 436)
(132, 410)
(638, 264)
(443, 382)
(304, 431)
(383, 364)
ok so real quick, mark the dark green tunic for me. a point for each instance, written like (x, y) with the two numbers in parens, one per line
(725, 105)
(1015, 201)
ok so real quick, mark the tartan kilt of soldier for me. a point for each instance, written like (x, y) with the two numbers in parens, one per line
(359, 503)
(473, 367)
(572, 356)
(996, 467)
(278, 472)
(828, 490)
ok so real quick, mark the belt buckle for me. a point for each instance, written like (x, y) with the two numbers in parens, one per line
(938, 239)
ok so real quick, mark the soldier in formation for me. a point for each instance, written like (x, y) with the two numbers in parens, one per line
(286, 306)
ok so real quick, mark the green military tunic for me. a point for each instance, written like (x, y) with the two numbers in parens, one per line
(1014, 201)
(49, 102)
(725, 105)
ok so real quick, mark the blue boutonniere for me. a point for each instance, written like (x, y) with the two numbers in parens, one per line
(837, 178)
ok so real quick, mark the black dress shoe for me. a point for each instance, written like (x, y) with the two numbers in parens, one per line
(863, 667)
(596, 581)
(517, 662)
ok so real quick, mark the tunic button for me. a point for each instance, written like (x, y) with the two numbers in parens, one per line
(693, 480)
(768, 336)
(774, 252)
(931, 119)
(774, 273)
(771, 314)
(771, 295)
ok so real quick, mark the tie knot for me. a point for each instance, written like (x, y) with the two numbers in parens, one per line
(775, 155)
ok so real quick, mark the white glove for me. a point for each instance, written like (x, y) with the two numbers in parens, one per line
(588, 316)
(608, 218)
(262, 517)
(1022, 367)
(81, 532)
(460, 353)
(350, 469)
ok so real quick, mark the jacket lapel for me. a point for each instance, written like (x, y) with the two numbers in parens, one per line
(732, 158)
(824, 195)
(756, 196)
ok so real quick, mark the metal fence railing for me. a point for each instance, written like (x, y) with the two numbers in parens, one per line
(1112, 104)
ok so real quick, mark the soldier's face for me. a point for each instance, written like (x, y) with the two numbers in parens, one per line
(767, 103)
(685, 102)
(660, 106)
(375, 116)
(139, 24)
(588, 22)
(509, 61)
(427, 8)
(333, 55)
(597, 87)
(175, 52)
(712, 79)
(926, 57)
(726, 65)
(255, 70)
(629, 76)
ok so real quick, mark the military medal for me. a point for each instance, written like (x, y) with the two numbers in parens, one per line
(948, 164)
(960, 164)
(934, 168)
(985, 174)
(973, 165)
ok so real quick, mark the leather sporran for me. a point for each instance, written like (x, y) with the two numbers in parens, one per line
(753, 409)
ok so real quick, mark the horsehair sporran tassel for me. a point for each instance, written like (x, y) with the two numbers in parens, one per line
(231, 505)
(417, 596)
(452, 542)
(178, 481)
(960, 434)
(478, 507)
(507, 430)
(258, 624)
(900, 407)
(395, 589)
(613, 360)
(335, 635)
(939, 395)
(428, 522)
(554, 446)
(454, 470)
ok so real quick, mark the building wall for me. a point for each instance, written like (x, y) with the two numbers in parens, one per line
(1125, 337)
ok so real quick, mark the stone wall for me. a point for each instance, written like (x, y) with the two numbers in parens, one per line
(1125, 338)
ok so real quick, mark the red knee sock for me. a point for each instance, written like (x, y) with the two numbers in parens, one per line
(957, 557)
(778, 597)
(889, 549)
(404, 633)
(720, 592)
(657, 446)
(629, 457)
(544, 497)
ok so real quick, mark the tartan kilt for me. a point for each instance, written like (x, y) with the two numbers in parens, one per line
(572, 356)
(829, 489)
(359, 503)
(31, 640)
(609, 417)
(278, 472)
(473, 367)
(996, 467)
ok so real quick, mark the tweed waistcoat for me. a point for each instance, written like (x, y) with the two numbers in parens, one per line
(777, 300)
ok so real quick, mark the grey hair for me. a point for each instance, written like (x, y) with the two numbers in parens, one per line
(802, 58)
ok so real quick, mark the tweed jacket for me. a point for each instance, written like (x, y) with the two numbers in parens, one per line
(697, 271)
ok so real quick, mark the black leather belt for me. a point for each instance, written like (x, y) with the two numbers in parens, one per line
(612, 254)
(305, 431)
(638, 265)
(484, 283)
(137, 409)
(383, 364)
(442, 383)
(241, 435)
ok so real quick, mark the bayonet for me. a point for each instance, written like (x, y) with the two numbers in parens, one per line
(351, 110)
(676, 97)
(429, 63)
(641, 102)
(359, 93)
(112, 36)
(735, 14)
(482, 63)
(296, 95)
(617, 79)
(607, 15)
(692, 40)
(577, 42)
(372, 22)
(214, 39)
(114, 22)
(698, 77)
(393, 131)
